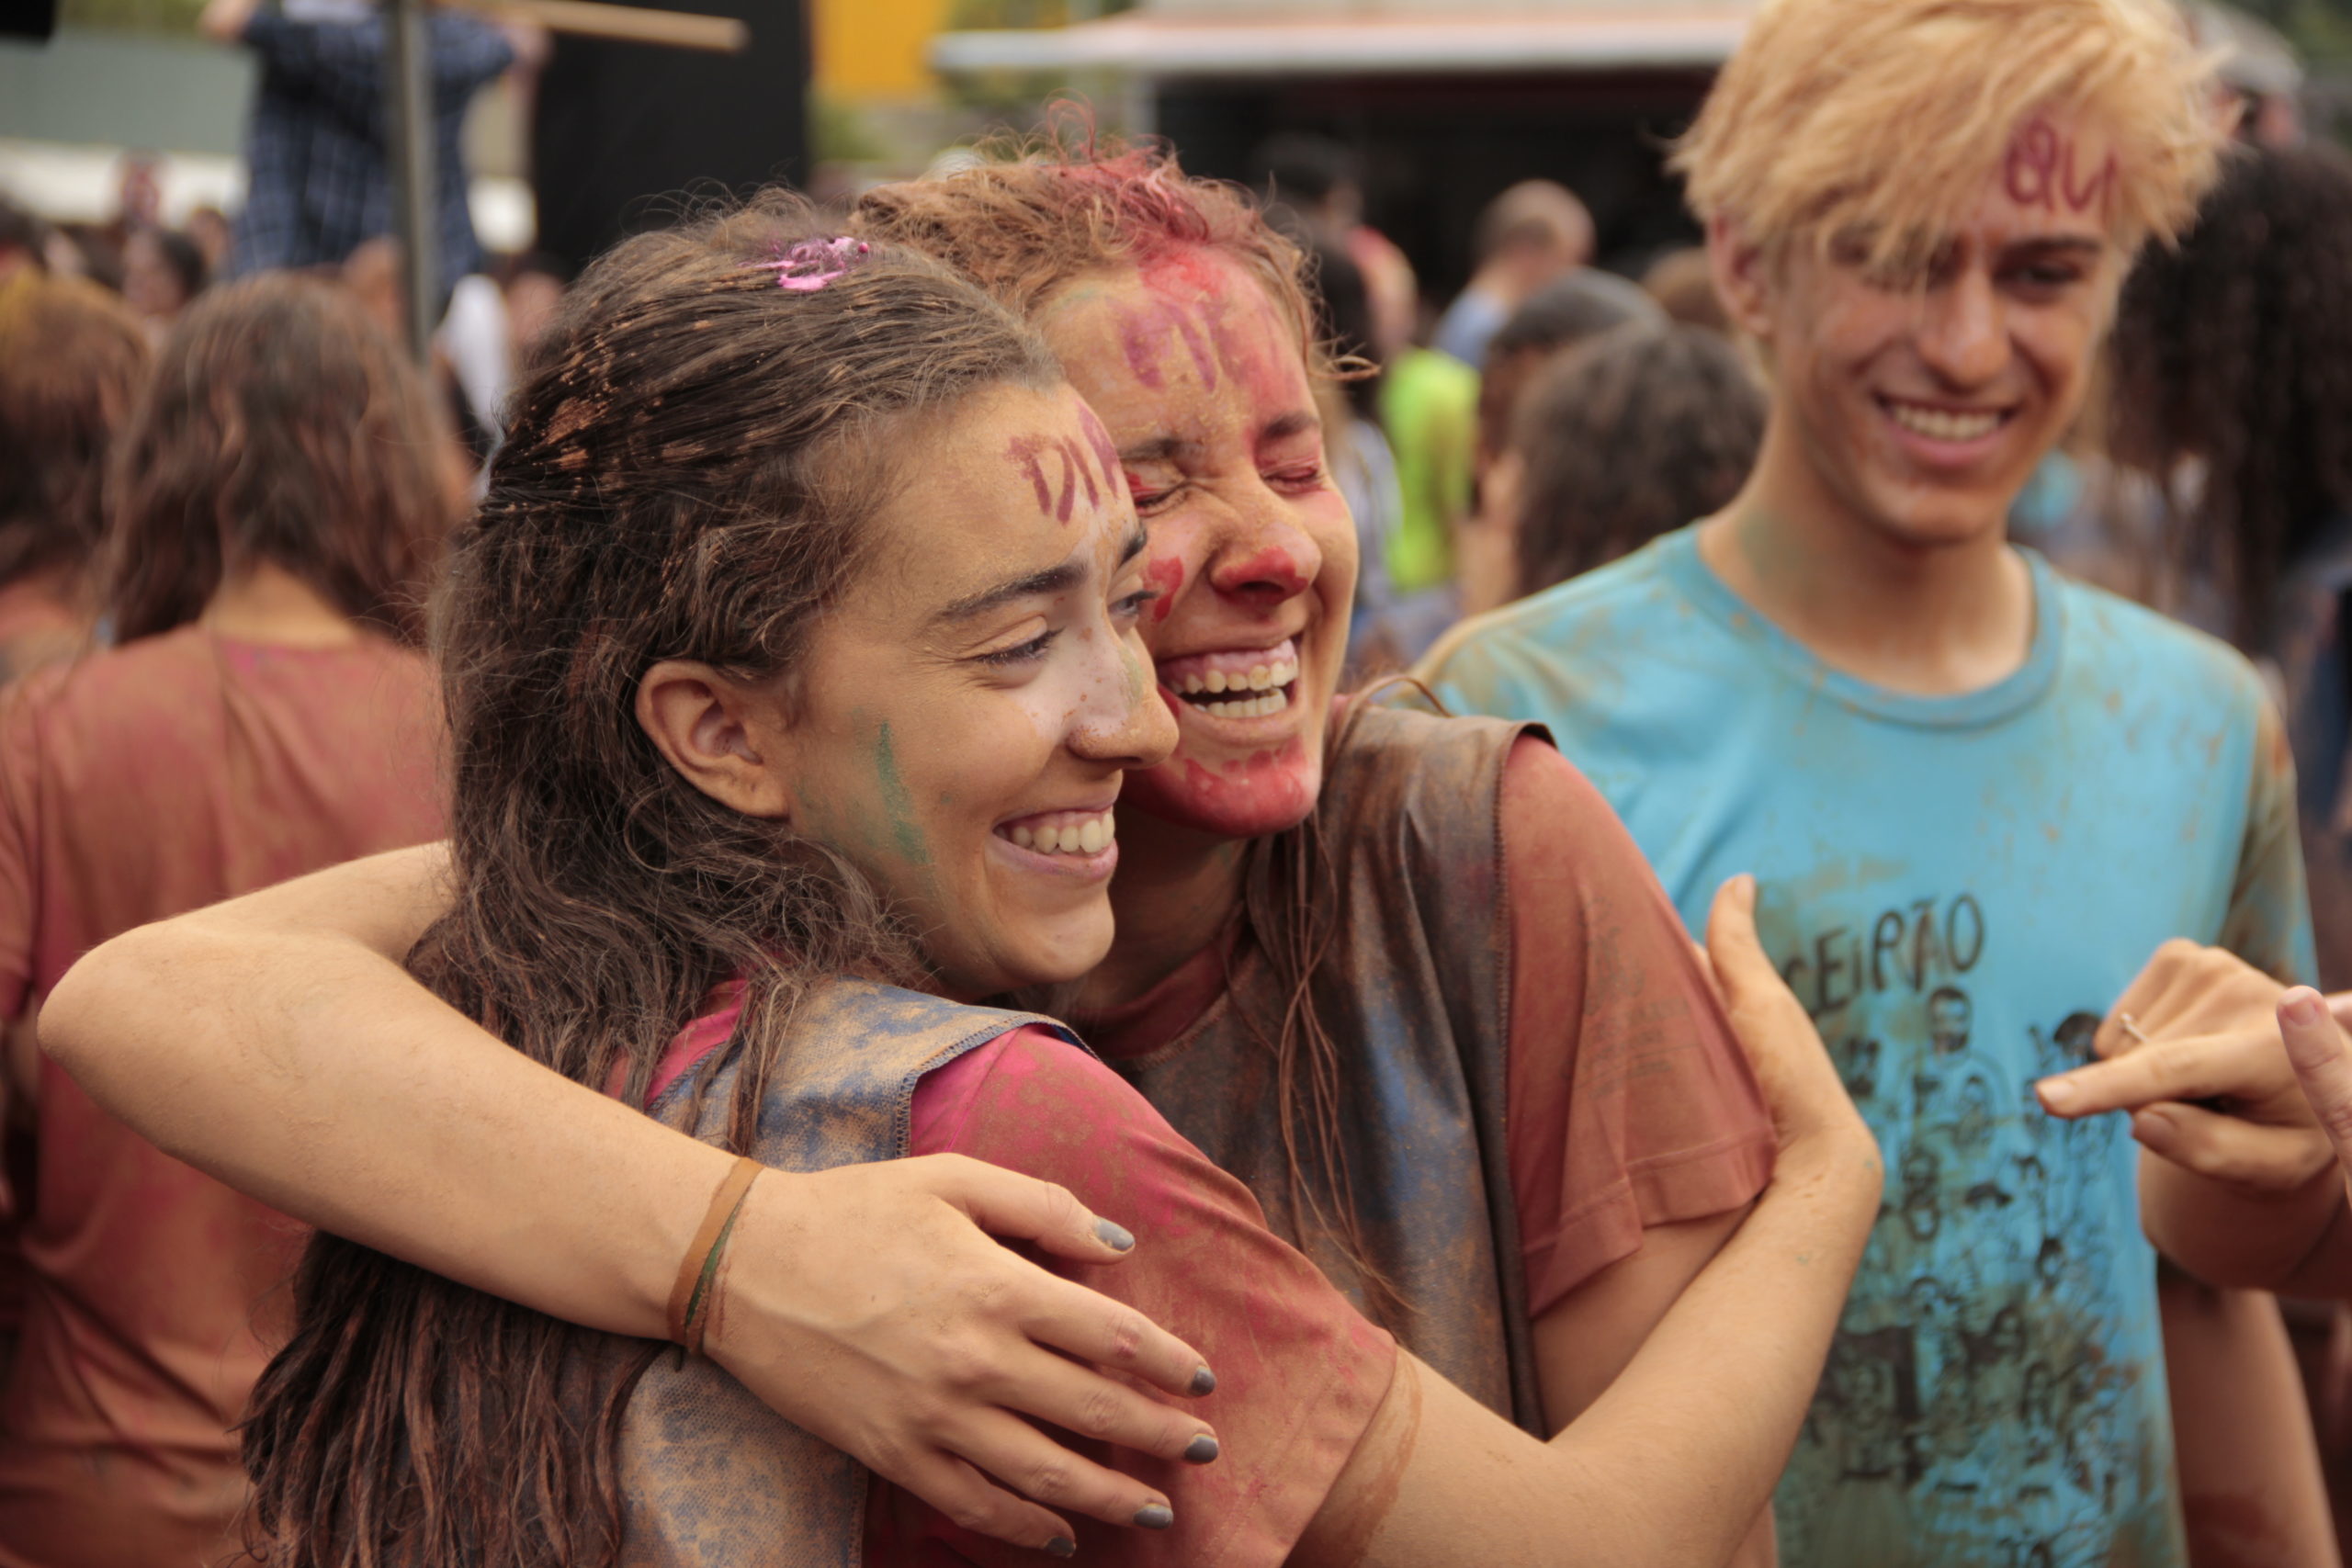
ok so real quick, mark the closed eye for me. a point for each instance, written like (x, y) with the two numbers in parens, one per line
(1035, 647)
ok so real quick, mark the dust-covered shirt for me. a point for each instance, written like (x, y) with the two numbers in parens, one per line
(1956, 888)
(136, 783)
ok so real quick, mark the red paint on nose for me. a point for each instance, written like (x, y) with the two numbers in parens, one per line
(1269, 571)
(1167, 574)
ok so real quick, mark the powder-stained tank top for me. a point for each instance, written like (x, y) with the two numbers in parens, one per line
(1415, 988)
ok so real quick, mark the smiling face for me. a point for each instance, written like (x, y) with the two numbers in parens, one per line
(959, 727)
(1921, 410)
(1202, 385)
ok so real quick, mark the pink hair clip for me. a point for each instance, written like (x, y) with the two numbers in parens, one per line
(812, 264)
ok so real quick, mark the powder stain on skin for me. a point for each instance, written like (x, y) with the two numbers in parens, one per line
(1167, 574)
(899, 802)
(1029, 453)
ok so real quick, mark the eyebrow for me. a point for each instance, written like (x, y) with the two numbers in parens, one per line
(1159, 449)
(1053, 579)
(1283, 426)
(2055, 244)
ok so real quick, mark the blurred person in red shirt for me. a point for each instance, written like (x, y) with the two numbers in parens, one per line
(279, 498)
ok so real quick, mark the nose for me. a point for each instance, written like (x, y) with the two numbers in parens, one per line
(1266, 558)
(1963, 335)
(1122, 719)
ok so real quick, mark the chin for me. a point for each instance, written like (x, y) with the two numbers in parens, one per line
(1941, 522)
(1265, 792)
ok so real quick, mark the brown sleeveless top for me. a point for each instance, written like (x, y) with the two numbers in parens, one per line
(1415, 986)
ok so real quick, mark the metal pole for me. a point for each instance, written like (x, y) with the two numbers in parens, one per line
(408, 127)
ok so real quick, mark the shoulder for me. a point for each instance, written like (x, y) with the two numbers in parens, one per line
(2111, 639)
(1540, 629)
(1032, 1100)
(1401, 775)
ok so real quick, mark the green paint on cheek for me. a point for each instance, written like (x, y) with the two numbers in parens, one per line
(899, 802)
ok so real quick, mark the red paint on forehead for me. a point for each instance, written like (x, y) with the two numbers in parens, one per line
(1024, 452)
(2042, 170)
(1186, 269)
(1031, 454)
(1106, 451)
(1143, 332)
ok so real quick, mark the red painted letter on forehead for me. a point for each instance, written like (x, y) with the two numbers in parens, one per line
(2042, 170)
(1031, 454)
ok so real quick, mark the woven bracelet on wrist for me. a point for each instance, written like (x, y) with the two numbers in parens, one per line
(691, 1297)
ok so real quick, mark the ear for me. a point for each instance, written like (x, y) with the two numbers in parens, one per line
(1743, 278)
(728, 740)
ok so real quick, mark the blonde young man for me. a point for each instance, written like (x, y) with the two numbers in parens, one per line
(1977, 796)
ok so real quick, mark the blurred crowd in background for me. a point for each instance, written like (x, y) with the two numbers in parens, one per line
(1549, 416)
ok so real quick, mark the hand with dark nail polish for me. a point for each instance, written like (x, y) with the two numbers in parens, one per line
(1201, 1450)
(1205, 1381)
(1062, 1546)
(1115, 1236)
(1158, 1516)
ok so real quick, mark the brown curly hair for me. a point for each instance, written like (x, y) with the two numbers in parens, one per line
(1024, 226)
(689, 472)
(73, 361)
(2236, 350)
(1630, 436)
(281, 425)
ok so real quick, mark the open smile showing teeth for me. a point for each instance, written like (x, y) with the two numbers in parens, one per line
(1243, 684)
(1944, 425)
(1063, 832)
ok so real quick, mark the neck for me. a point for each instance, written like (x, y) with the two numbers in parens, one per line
(265, 602)
(1174, 891)
(1932, 619)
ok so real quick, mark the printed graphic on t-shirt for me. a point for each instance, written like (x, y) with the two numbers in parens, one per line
(1985, 1399)
(1956, 888)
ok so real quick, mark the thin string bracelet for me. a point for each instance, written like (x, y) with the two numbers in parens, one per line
(690, 1297)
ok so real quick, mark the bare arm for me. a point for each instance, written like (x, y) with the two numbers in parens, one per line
(276, 1042)
(1672, 1464)
(1583, 1344)
(2251, 1486)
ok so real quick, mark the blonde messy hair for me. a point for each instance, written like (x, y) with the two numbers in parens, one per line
(1878, 121)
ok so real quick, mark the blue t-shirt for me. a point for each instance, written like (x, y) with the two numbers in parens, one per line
(1956, 888)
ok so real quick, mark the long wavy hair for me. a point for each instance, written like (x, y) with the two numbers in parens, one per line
(281, 425)
(692, 468)
(73, 361)
(2235, 350)
(1023, 228)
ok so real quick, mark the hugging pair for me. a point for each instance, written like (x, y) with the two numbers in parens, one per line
(811, 632)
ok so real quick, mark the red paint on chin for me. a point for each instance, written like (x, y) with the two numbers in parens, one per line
(1247, 797)
(1167, 574)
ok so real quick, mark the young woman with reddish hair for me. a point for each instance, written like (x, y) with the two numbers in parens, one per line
(1404, 976)
(278, 504)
